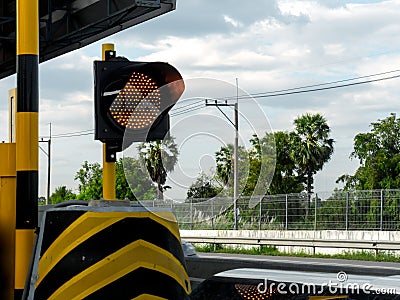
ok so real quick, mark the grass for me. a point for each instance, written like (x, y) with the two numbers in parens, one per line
(218, 248)
(382, 256)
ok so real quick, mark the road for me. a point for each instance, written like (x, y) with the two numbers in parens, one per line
(208, 264)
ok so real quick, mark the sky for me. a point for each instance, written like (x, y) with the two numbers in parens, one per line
(267, 46)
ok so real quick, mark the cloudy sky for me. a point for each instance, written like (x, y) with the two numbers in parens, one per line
(267, 45)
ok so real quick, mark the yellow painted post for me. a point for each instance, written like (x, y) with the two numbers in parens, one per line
(7, 219)
(12, 109)
(109, 177)
(24, 241)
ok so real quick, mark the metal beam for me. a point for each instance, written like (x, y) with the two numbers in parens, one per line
(72, 25)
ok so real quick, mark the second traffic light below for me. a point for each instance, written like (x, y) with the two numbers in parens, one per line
(132, 99)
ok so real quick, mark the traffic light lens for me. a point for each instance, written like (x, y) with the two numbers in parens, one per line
(137, 105)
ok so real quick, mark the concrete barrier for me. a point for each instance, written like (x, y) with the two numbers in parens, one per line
(323, 241)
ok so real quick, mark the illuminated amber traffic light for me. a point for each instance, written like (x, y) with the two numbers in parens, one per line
(132, 100)
(137, 105)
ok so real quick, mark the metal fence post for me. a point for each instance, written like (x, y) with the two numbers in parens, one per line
(315, 211)
(260, 214)
(212, 213)
(286, 212)
(347, 211)
(191, 214)
(381, 214)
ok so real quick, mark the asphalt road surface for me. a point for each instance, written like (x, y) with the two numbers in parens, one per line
(209, 264)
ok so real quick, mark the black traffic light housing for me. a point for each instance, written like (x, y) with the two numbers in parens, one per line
(132, 101)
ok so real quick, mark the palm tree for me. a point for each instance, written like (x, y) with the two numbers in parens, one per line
(159, 157)
(224, 168)
(311, 145)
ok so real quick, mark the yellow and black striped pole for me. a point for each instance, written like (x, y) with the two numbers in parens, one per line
(109, 177)
(27, 135)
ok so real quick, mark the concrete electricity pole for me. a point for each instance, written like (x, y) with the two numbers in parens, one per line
(235, 148)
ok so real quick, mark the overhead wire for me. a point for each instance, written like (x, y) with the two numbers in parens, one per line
(73, 135)
(321, 89)
(197, 105)
(75, 132)
(69, 134)
(179, 107)
(187, 110)
(306, 88)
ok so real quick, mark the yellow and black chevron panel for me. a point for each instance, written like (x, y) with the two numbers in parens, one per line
(95, 253)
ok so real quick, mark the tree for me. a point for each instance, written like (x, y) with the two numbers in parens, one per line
(131, 182)
(224, 161)
(274, 161)
(261, 165)
(61, 194)
(204, 187)
(287, 179)
(255, 166)
(311, 146)
(379, 154)
(159, 157)
(90, 181)
(224, 169)
(267, 165)
(42, 200)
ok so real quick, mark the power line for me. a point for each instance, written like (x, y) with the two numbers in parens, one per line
(187, 105)
(298, 90)
(75, 132)
(303, 89)
(200, 106)
(324, 88)
(197, 105)
(290, 91)
(70, 134)
(334, 82)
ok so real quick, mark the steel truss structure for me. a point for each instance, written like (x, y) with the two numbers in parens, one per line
(66, 25)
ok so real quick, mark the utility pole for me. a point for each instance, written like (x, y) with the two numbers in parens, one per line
(48, 165)
(235, 149)
(236, 161)
(48, 154)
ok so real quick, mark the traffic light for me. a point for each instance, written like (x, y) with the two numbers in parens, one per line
(132, 100)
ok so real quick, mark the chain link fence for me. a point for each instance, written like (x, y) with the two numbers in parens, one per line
(353, 210)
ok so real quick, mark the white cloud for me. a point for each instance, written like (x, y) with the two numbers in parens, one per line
(233, 22)
(334, 49)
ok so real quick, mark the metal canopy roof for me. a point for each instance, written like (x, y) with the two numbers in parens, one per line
(66, 25)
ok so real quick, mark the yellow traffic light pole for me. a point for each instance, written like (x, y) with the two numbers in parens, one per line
(109, 176)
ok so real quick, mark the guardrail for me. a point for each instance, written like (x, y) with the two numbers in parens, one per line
(313, 243)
